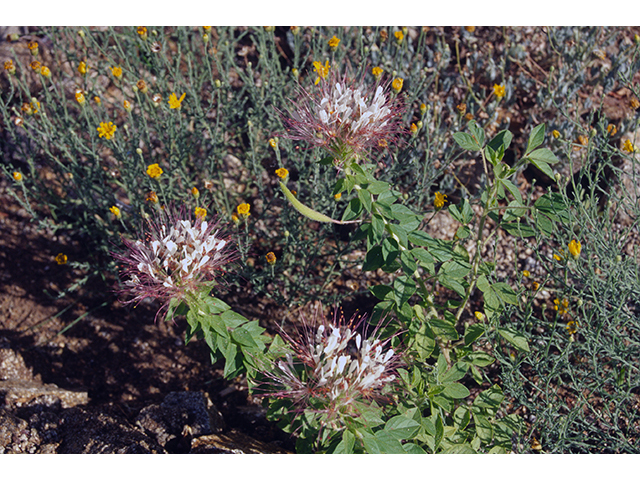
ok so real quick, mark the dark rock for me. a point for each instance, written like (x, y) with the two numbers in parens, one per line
(181, 417)
(232, 442)
(17, 393)
(83, 431)
(16, 436)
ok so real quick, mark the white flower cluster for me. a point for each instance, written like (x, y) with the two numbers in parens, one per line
(344, 366)
(179, 253)
(344, 106)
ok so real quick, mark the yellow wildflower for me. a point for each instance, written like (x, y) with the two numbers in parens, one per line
(397, 84)
(399, 37)
(295, 30)
(195, 192)
(97, 100)
(174, 102)
(583, 140)
(556, 134)
(282, 172)
(80, 97)
(423, 108)
(382, 143)
(116, 211)
(116, 71)
(611, 129)
(206, 29)
(479, 315)
(271, 258)
(562, 307)
(127, 105)
(462, 108)
(334, 42)
(470, 29)
(82, 68)
(17, 176)
(243, 209)
(10, 67)
(142, 31)
(201, 213)
(574, 248)
(152, 197)
(628, 146)
(499, 90)
(536, 445)
(526, 273)
(439, 200)
(235, 218)
(273, 143)
(572, 327)
(33, 46)
(154, 170)
(35, 65)
(106, 130)
(413, 128)
(61, 259)
(45, 72)
(321, 71)
(634, 103)
(377, 71)
(535, 286)
(337, 196)
(557, 257)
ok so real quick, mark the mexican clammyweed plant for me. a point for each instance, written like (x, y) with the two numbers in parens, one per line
(326, 377)
(333, 117)
(178, 262)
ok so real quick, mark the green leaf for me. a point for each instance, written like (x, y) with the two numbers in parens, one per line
(425, 342)
(505, 292)
(443, 329)
(543, 167)
(480, 359)
(513, 190)
(535, 138)
(401, 427)
(514, 337)
(483, 428)
(461, 417)
(404, 287)
(353, 210)
(408, 263)
(380, 291)
(374, 259)
(476, 132)
(457, 371)
(488, 401)
(347, 443)
(482, 283)
(242, 337)
(460, 449)
(466, 141)
(519, 229)
(306, 211)
(412, 448)
(544, 155)
(381, 442)
(365, 198)
(455, 269)
(456, 390)
(421, 239)
(377, 187)
(423, 257)
(502, 139)
(472, 333)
